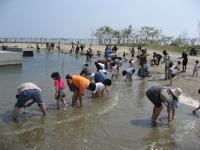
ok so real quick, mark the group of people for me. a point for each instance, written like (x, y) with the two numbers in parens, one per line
(98, 82)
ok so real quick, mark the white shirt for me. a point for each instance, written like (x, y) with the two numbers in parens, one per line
(102, 66)
(27, 86)
(99, 87)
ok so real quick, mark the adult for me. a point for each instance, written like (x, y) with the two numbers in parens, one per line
(101, 76)
(100, 66)
(107, 52)
(142, 62)
(82, 47)
(77, 85)
(185, 60)
(158, 57)
(77, 49)
(166, 60)
(114, 49)
(25, 93)
(159, 95)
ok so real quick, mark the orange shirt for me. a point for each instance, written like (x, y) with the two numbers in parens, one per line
(80, 82)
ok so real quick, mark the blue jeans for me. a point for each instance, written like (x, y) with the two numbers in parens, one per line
(27, 95)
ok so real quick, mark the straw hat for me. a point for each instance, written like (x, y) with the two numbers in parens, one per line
(176, 92)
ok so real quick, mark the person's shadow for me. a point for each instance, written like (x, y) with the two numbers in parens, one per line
(145, 123)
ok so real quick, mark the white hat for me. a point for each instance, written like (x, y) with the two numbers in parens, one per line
(176, 92)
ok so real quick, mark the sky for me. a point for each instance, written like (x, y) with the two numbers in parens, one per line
(78, 18)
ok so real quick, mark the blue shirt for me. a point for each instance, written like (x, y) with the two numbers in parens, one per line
(100, 76)
(130, 71)
(107, 52)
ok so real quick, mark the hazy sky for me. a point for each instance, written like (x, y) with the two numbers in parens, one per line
(77, 18)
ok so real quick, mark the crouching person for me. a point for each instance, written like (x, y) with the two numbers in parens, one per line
(77, 84)
(128, 73)
(102, 77)
(97, 89)
(159, 95)
(27, 92)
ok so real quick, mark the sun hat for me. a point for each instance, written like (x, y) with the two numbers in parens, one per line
(166, 95)
(176, 92)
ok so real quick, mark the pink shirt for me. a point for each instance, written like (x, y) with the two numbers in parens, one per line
(60, 84)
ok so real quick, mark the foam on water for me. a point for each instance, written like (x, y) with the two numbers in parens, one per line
(188, 101)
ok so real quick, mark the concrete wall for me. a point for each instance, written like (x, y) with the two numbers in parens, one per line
(10, 58)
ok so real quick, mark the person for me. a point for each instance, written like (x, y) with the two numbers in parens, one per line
(159, 95)
(158, 56)
(143, 63)
(101, 76)
(114, 70)
(171, 110)
(178, 67)
(171, 73)
(132, 62)
(185, 60)
(128, 73)
(196, 68)
(107, 52)
(114, 49)
(194, 111)
(77, 49)
(26, 92)
(166, 60)
(97, 89)
(86, 71)
(100, 66)
(82, 47)
(77, 85)
(59, 89)
(132, 51)
(124, 55)
(104, 62)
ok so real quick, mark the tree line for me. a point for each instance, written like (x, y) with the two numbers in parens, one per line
(145, 35)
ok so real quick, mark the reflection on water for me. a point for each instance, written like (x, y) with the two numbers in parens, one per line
(118, 120)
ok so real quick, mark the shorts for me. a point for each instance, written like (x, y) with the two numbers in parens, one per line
(27, 95)
(61, 94)
(154, 98)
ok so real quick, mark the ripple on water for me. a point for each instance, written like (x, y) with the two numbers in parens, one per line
(27, 125)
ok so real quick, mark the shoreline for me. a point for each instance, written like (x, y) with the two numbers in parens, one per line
(184, 80)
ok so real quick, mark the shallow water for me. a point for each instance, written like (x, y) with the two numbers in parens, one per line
(119, 120)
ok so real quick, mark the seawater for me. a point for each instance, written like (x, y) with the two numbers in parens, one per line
(118, 120)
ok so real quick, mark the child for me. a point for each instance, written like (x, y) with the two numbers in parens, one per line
(59, 89)
(128, 73)
(132, 62)
(171, 108)
(96, 88)
(194, 111)
(178, 66)
(171, 73)
(114, 70)
(196, 68)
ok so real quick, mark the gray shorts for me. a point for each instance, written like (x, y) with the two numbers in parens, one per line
(61, 94)
(27, 95)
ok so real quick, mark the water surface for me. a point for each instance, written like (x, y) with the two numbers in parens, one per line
(119, 120)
